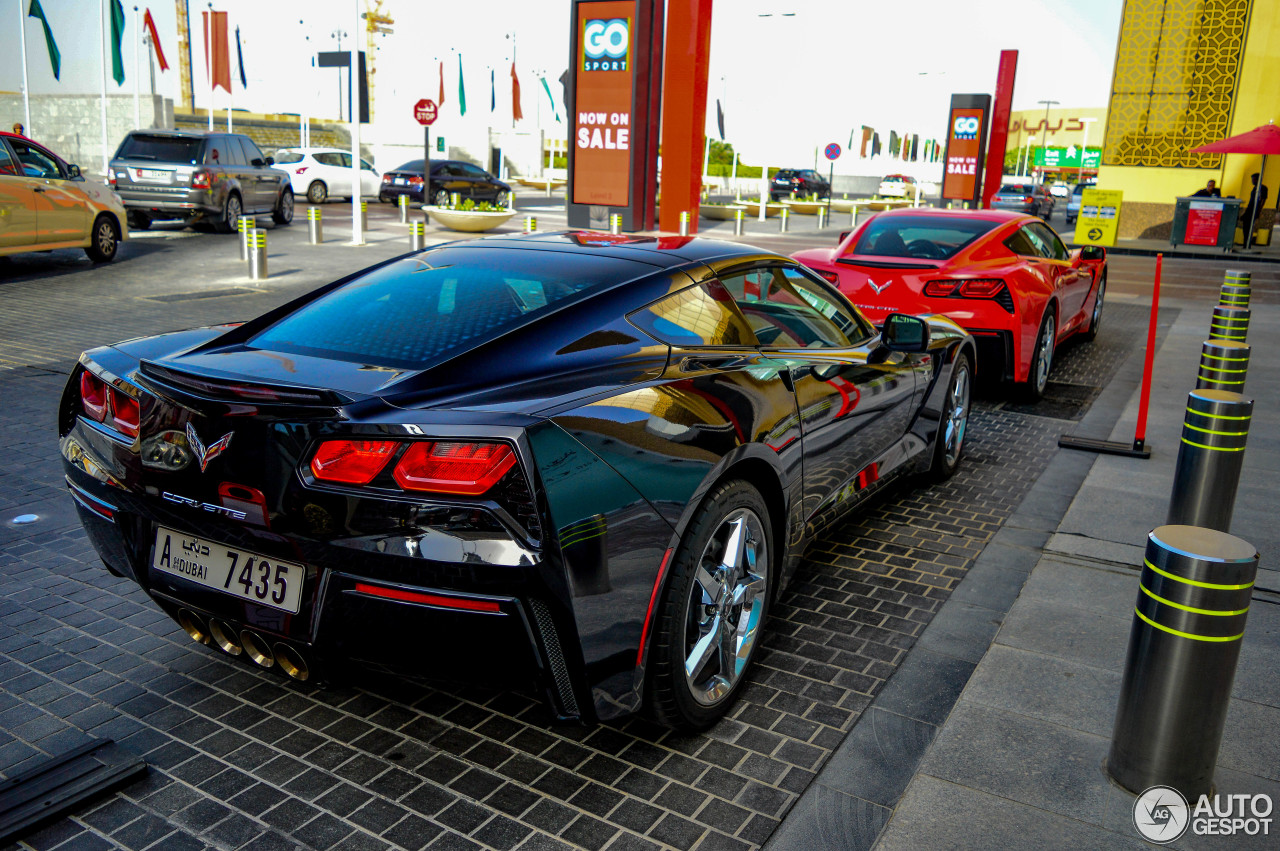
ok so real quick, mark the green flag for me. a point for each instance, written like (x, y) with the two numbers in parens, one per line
(117, 42)
(55, 57)
(462, 91)
(547, 89)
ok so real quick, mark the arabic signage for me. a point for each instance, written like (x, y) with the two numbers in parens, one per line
(1069, 157)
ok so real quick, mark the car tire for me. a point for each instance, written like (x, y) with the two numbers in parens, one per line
(138, 221)
(231, 213)
(726, 551)
(502, 199)
(948, 447)
(441, 198)
(283, 213)
(317, 192)
(104, 239)
(1041, 358)
(1099, 301)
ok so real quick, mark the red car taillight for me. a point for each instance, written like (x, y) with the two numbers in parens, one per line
(415, 181)
(973, 288)
(829, 277)
(351, 462)
(467, 469)
(93, 396)
(202, 180)
(124, 413)
(108, 405)
(386, 178)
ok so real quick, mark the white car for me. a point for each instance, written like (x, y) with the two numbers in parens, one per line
(898, 186)
(318, 174)
(1060, 190)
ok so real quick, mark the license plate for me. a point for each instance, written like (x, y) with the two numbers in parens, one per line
(249, 576)
(402, 181)
(152, 175)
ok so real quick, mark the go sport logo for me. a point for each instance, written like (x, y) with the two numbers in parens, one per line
(605, 44)
(1162, 815)
(965, 127)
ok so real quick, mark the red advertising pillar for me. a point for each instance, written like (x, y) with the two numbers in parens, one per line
(999, 136)
(684, 110)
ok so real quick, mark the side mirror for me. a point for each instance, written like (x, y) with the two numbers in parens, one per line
(256, 163)
(271, 160)
(73, 171)
(903, 333)
(1093, 252)
(844, 234)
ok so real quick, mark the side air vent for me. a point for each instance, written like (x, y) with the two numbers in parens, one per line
(555, 656)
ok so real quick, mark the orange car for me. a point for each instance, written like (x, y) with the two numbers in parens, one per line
(45, 204)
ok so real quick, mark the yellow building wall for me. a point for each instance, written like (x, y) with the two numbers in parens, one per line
(1224, 108)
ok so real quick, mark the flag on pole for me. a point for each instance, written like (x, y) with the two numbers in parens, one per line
(462, 89)
(216, 38)
(117, 42)
(720, 118)
(516, 112)
(493, 93)
(440, 100)
(55, 56)
(150, 24)
(547, 89)
(244, 83)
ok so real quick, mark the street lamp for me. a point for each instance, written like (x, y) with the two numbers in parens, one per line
(1084, 147)
(1044, 140)
(1025, 155)
(339, 35)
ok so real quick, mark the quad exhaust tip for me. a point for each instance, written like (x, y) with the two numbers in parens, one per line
(192, 624)
(224, 635)
(292, 663)
(257, 649)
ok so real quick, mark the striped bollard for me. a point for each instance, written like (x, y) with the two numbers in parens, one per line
(244, 224)
(1229, 323)
(615, 223)
(315, 228)
(737, 222)
(530, 224)
(822, 217)
(1210, 457)
(1193, 600)
(684, 222)
(784, 220)
(1223, 365)
(257, 238)
(1236, 288)
(455, 200)
(364, 215)
(403, 201)
(417, 236)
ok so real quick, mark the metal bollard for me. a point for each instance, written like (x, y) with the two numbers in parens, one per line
(417, 236)
(530, 224)
(403, 201)
(244, 224)
(315, 229)
(1229, 323)
(1210, 457)
(615, 223)
(1236, 288)
(364, 215)
(455, 200)
(257, 254)
(784, 219)
(684, 222)
(1224, 365)
(737, 222)
(1193, 599)
(822, 217)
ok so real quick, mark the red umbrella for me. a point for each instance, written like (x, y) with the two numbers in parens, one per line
(1262, 140)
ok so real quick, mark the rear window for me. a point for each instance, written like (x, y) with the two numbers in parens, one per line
(411, 165)
(167, 149)
(1017, 189)
(919, 237)
(1081, 187)
(418, 310)
(288, 157)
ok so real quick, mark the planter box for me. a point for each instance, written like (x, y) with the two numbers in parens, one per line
(723, 212)
(806, 208)
(468, 221)
(753, 209)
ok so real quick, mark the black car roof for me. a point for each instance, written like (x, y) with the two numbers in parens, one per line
(661, 251)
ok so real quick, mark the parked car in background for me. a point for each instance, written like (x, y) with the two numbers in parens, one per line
(1060, 190)
(1005, 277)
(45, 203)
(1029, 198)
(897, 186)
(197, 178)
(447, 177)
(1073, 203)
(802, 181)
(319, 174)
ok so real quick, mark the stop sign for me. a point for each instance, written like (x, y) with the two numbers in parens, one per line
(424, 112)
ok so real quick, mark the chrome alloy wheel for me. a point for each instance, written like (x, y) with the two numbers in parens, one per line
(1097, 304)
(956, 418)
(1044, 357)
(726, 606)
(105, 237)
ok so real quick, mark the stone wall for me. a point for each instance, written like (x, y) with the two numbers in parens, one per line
(71, 125)
(1146, 220)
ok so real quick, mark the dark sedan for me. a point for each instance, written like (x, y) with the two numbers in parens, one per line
(802, 181)
(584, 462)
(1029, 198)
(448, 177)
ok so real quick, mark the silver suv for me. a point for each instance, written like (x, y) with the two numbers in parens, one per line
(197, 177)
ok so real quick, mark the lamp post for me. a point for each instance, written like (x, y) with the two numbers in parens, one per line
(1084, 147)
(1044, 140)
(1024, 155)
(339, 35)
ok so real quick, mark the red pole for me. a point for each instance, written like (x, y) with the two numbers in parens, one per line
(1140, 433)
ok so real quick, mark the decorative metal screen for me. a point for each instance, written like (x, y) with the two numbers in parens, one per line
(1177, 68)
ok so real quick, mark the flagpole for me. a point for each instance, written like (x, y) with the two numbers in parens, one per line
(357, 226)
(26, 95)
(137, 73)
(208, 60)
(102, 45)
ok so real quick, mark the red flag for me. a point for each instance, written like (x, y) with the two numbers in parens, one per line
(516, 112)
(150, 24)
(220, 48)
(440, 100)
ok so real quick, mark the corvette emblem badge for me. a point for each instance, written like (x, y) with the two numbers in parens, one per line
(879, 288)
(205, 455)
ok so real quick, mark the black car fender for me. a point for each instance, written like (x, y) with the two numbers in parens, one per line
(947, 342)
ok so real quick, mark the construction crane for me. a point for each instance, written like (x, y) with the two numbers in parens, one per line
(376, 23)
(184, 56)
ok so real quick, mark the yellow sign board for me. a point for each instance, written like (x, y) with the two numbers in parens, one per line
(1099, 217)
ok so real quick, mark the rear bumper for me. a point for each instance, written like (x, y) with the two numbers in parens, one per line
(169, 204)
(393, 192)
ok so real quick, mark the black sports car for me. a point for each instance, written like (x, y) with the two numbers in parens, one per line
(579, 461)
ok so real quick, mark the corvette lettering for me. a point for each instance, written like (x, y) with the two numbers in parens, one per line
(204, 506)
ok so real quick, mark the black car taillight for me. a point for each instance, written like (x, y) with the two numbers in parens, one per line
(108, 405)
(125, 413)
(93, 396)
(453, 467)
(415, 181)
(351, 462)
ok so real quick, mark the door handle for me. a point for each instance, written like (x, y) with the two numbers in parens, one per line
(40, 189)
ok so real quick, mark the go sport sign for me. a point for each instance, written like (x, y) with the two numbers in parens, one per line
(602, 104)
(605, 44)
(966, 137)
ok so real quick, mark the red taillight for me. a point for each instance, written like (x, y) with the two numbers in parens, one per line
(202, 180)
(981, 288)
(415, 181)
(93, 396)
(111, 179)
(124, 413)
(829, 277)
(1027, 199)
(939, 289)
(468, 469)
(351, 462)
(386, 178)
(442, 600)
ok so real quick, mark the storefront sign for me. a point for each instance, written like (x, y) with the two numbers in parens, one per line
(966, 136)
(1099, 217)
(1204, 220)
(602, 108)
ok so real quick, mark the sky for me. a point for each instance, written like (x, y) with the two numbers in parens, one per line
(792, 74)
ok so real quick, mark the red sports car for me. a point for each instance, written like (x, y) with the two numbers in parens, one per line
(1005, 277)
